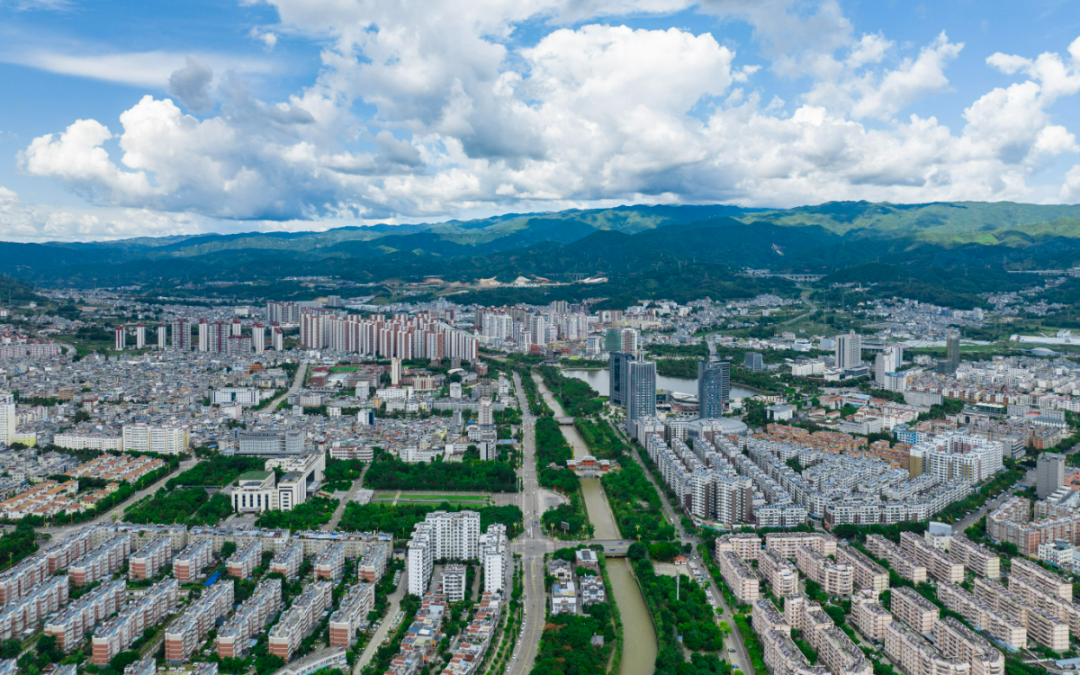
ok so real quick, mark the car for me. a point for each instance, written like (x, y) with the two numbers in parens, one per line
(731, 650)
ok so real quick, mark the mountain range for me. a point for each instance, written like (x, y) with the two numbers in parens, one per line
(650, 250)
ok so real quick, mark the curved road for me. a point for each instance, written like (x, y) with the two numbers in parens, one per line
(297, 385)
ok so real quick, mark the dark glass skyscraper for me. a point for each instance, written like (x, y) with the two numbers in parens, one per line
(619, 377)
(714, 387)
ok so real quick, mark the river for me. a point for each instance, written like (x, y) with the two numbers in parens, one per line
(598, 380)
(639, 636)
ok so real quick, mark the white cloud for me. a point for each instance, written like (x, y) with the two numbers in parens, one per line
(466, 122)
(1070, 190)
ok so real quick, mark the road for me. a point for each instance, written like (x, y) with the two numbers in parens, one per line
(531, 545)
(813, 309)
(65, 531)
(351, 496)
(297, 385)
(391, 612)
(741, 657)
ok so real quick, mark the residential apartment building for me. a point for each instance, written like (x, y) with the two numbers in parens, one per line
(746, 545)
(163, 440)
(902, 564)
(786, 544)
(304, 613)
(976, 557)
(351, 614)
(913, 609)
(442, 535)
(101, 562)
(917, 656)
(288, 560)
(937, 564)
(740, 577)
(478, 635)
(149, 610)
(870, 617)
(957, 641)
(834, 578)
(781, 576)
(331, 562)
(764, 617)
(186, 633)
(150, 559)
(71, 625)
(246, 558)
(1044, 580)
(494, 556)
(190, 562)
(422, 637)
(250, 619)
(957, 456)
(21, 617)
(1048, 604)
(453, 582)
(372, 564)
(1047, 629)
(1008, 629)
(867, 573)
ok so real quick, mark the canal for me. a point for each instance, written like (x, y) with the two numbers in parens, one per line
(639, 636)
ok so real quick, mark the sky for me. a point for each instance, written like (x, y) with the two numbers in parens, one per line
(125, 119)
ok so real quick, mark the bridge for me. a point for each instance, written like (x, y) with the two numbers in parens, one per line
(565, 421)
(613, 548)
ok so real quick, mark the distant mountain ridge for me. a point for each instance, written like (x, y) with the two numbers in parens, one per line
(626, 241)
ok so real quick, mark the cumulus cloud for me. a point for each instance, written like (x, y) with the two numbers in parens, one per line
(466, 121)
(191, 84)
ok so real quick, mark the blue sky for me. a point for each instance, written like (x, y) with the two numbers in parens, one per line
(127, 119)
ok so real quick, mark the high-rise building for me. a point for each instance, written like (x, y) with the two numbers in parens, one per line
(119, 338)
(8, 418)
(612, 340)
(714, 387)
(1049, 474)
(641, 401)
(204, 335)
(162, 336)
(395, 372)
(277, 338)
(752, 361)
(140, 336)
(848, 351)
(486, 416)
(629, 339)
(258, 337)
(181, 335)
(237, 327)
(619, 377)
(888, 361)
(952, 348)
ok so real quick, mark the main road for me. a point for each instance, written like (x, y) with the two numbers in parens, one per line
(531, 545)
(297, 385)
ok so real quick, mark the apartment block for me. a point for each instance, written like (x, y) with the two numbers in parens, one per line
(871, 618)
(996, 596)
(867, 573)
(746, 545)
(469, 655)
(785, 544)
(149, 610)
(373, 563)
(835, 578)
(1050, 604)
(288, 560)
(740, 577)
(957, 641)
(840, 654)
(331, 563)
(69, 550)
(1008, 629)
(150, 559)
(190, 562)
(494, 555)
(779, 573)
(101, 562)
(24, 613)
(246, 558)
(939, 565)
(914, 610)
(916, 656)
(805, 615)
(295, 623)
(442, 535)
(1044, 580)
(250, 619)
(80, 617)
(453, 582)
(783, 656)
(975, 557)
(17, 581)
(351, 614)
(764, 617)
(185, 634)
(900, 562)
